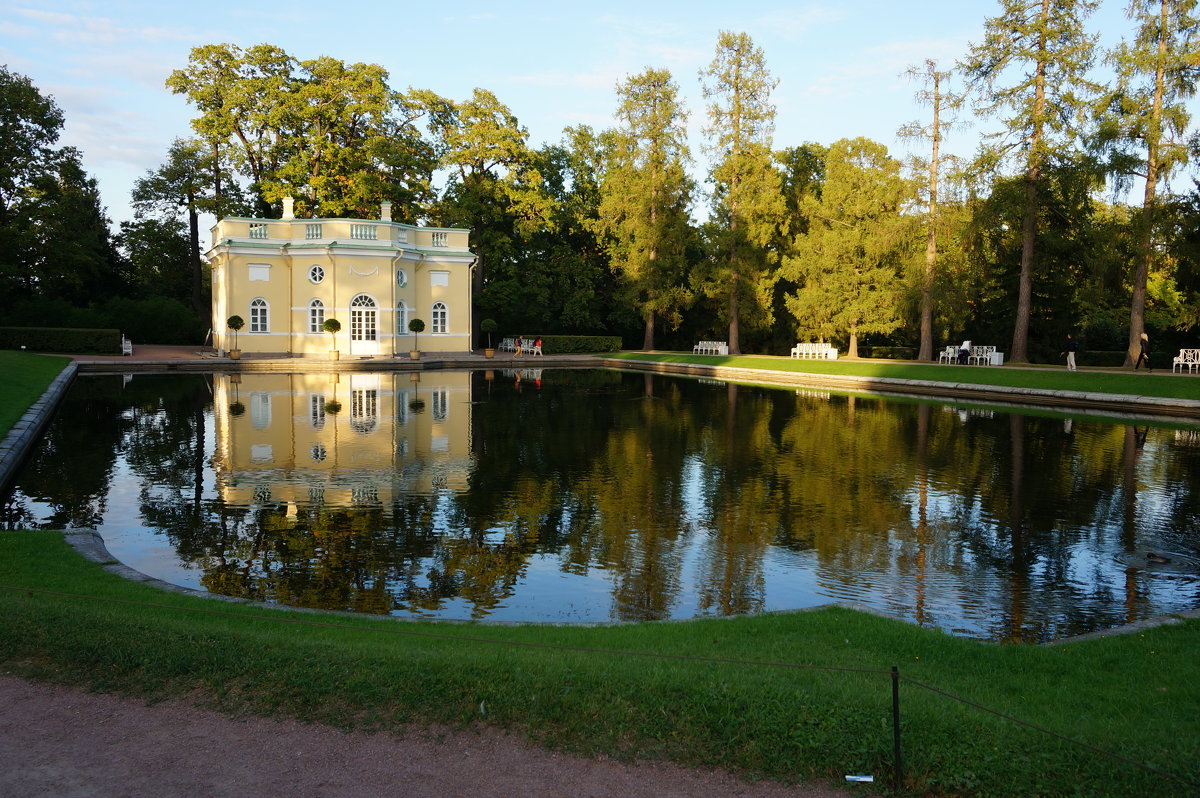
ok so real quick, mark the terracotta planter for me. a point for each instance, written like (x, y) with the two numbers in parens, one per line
(489, 353)
(334, 354)
(414, 354)
(235, 354)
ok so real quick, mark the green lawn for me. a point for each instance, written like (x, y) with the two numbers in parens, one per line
(585, 690)
(1161, 384)
(23, 378)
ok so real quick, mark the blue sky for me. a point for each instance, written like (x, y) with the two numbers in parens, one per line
(839, 64)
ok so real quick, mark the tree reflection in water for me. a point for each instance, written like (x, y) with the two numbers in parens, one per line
(593, 495)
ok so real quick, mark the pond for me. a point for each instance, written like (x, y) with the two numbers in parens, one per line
(599, 496)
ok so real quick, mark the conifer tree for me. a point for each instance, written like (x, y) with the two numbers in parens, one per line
(1146, 120)
(748, 206)
(848, 265)
(646, 194)
(935, 95)
(1030, 70)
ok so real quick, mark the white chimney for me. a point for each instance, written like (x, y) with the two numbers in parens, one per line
(289, 211)
(385, 211)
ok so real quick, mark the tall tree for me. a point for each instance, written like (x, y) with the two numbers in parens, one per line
(29, 128)
(848, 265)
(935, 95)
(493, 186)
(191, 181)
(646, 197)
(332, 135)
(1147, 119)
(748, 206)
(1031, 70)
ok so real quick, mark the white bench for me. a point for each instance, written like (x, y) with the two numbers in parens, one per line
(949, 354)
(508, 345)
(126, 346)
(986, 356)
(1188, 358)
(711, 348)
(807, 351)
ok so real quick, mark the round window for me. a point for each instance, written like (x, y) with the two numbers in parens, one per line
(318, 452)
(401, 278)
(316, 274)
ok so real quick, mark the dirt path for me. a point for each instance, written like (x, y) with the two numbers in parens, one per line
(66, 743)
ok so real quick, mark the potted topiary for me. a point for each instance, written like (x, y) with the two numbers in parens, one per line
(332, 326)
(488, 326)
(416, 326)
(235, 323)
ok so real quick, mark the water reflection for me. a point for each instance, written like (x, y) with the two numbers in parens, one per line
(591, 495)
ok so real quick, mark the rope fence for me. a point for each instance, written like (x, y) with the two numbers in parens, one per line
(894, 676)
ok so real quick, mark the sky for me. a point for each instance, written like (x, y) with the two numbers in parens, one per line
(555, 64)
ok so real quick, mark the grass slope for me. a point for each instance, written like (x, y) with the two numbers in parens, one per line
(1135, 695)
(23, 378)
(1160, 384)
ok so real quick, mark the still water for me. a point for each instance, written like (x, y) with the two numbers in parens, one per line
(593, 496)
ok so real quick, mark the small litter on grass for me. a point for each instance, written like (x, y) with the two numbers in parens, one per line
(861, 779)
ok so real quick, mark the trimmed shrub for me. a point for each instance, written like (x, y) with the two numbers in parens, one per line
(62, 340)
(575, 344)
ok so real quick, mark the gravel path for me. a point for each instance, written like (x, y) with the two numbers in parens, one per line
(66, 743)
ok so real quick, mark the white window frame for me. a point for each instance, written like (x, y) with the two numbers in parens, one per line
(439, 309)
(316, 316)
(316, 273)
(401, 318)
(260, 315)
(364, 318)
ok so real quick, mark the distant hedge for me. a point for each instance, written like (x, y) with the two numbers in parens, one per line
(1101, 357)
(61, 339)
(576, 344)
(892, 352)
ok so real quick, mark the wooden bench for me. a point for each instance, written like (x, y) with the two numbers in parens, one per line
(807, 351)
(1188, 358)
(711, 348)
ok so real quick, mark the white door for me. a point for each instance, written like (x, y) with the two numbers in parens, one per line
(364, 326)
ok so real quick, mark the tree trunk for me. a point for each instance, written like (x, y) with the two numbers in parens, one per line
(203, 309)
(648, 337)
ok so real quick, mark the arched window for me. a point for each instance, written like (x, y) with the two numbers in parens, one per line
(401, 318)
(259, 320)
(316, 316)
(440, 317)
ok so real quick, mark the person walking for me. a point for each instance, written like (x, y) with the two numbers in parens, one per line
(1071, 348)
(1144, 354)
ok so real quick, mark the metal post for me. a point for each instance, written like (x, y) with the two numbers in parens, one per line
(898, 774)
